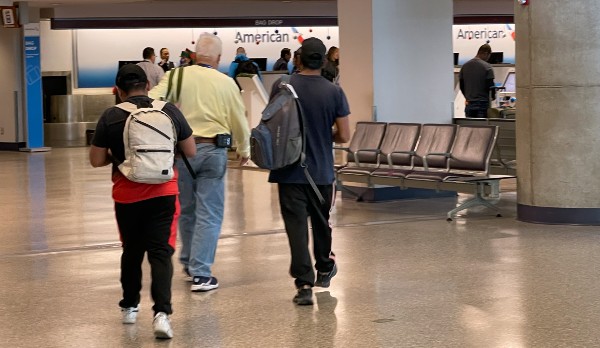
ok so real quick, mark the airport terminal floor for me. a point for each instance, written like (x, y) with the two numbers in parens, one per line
(407, 278)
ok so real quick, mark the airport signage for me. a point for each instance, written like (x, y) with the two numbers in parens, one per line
(33, 86)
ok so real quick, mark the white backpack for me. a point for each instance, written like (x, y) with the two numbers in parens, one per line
(150, 139)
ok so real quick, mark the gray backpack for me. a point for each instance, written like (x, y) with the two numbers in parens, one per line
(279, 140)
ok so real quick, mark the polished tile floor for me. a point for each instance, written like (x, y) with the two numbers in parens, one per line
(407, 277)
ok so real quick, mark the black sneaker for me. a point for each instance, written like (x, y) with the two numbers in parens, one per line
(324, 278)
(304, 297)
(204, 284)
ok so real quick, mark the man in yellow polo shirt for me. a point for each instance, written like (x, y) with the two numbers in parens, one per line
(213, 107)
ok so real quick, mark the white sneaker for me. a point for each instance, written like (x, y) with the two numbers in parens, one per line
(162, 326)
(130, 314)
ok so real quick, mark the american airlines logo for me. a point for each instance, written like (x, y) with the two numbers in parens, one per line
(484, 34)
(265, 37)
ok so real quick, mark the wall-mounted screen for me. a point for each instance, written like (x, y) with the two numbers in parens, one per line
(496, 58)
(261, 62)
(510, 82)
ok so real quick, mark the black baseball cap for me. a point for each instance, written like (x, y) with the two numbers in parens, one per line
(312, 53)
(130, 75)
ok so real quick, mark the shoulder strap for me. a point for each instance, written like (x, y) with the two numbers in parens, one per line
(127, 106)
(285, 79)
(159, 104)
(173, 94)
(303, 154)
(170, 84)
(179, 81)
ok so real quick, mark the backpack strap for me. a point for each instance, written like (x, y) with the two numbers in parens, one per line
(285, 80)
(158, 104)
(172, 95)
(127, 106)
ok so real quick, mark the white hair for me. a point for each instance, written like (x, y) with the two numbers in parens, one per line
(208, 46)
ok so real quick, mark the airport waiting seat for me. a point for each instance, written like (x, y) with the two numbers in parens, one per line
(434, 139)
(470, 155)
(363, 149)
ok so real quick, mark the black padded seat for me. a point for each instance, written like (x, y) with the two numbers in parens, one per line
(366, 139)
(398, 144)
(396, 147)
(435, 138)
(473, 148)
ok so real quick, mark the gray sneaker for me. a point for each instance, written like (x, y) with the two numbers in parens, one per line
(324, 278)
(162, 326)
(304, 297)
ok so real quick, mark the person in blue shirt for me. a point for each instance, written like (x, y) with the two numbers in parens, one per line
(326, 113)
(240, 57)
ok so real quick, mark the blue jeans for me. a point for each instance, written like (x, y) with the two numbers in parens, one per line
(202, 203)
(477, 109)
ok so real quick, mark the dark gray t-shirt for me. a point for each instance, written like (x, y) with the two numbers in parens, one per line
(322, 102)
(475, 74)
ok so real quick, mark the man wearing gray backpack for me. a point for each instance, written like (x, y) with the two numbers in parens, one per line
(324, 106)
(146, 205)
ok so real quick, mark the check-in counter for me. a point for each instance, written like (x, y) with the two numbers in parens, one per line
(70, 117)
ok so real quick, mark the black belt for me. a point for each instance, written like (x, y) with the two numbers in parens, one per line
(204, 140)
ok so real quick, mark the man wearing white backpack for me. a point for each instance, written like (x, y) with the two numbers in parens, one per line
(144, 188)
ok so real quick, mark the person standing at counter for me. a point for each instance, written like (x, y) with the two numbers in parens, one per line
(282, 63)
(476, 82)
(331, 70)
(153, 71)
(165, 64)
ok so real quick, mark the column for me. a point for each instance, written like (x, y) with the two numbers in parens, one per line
(396, 61)
(558, 111)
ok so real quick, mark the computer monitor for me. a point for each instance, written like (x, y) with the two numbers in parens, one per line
(496, 58)
(262, 63)
(510, 82)
(122, 63)
(455, 58)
